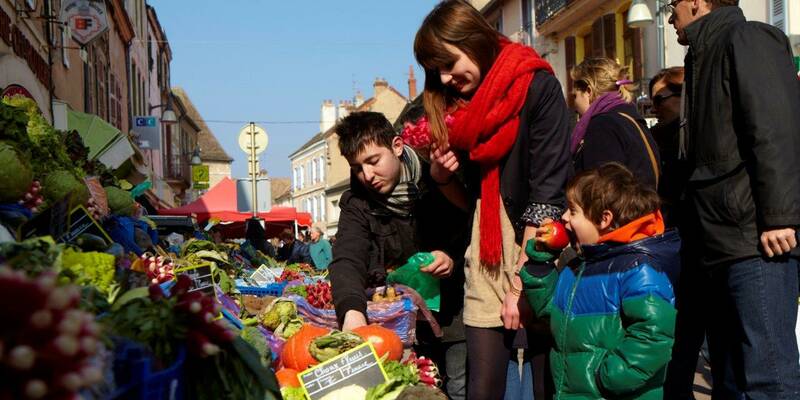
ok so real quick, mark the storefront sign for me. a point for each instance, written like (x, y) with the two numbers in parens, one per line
(200, 176)
(14, 37)
(148, 132)
(85, 18)
(357, 367)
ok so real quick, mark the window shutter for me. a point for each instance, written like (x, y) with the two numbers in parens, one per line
(570, 59)
(637, 54)
(597, 38)
(777, 13)
(610, 35)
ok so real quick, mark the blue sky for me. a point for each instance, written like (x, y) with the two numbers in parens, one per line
(243, 60)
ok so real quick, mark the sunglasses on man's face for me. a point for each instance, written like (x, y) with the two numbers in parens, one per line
(670, 7)
(661, 98)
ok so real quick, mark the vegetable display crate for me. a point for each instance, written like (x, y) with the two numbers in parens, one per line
(136, 379)
(273, 289)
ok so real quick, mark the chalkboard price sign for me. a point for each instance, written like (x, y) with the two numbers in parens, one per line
(359, 366)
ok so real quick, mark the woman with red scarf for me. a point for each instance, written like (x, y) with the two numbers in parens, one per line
(497, 105)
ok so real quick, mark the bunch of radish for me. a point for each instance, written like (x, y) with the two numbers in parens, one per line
(319, 295)
(159, 269)
(46, 342)
(204, 332)
(427, 371)
(33, 198)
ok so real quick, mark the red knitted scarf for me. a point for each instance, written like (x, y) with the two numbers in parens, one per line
(487, 128)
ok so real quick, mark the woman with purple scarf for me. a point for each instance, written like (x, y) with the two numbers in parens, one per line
(610, 128)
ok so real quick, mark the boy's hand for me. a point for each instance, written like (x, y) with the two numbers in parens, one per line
(441, 266)
(353, 319)
(443, 164)
(778, 241)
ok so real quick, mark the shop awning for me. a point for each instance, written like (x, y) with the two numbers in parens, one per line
(220, 203)
(105, 142)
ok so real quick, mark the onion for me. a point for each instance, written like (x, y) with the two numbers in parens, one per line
(21, 357)
(41, 319)
(35, 389)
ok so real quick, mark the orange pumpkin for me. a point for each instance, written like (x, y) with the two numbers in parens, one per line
(384, 340)
(287, 377)
(295, 353)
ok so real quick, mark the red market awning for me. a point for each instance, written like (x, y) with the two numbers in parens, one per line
(220, 203)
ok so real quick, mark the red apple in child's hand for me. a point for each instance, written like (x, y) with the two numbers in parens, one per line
(554, 236)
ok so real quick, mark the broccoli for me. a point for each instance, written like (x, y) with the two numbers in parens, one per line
(255, 338)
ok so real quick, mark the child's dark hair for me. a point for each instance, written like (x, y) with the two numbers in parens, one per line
(612, 187)
(359, 129)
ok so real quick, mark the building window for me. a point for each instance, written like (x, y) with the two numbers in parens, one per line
(294, 179)
(315, 208)
(322, 168)
(64, 44)
(314, 171)
(322, 207)
(302, 177)
(527, 20)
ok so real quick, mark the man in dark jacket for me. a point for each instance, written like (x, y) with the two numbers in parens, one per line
(394, 209)
(293, 250)
(743, 110)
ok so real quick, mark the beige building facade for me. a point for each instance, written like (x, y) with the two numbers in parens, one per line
(565, 32)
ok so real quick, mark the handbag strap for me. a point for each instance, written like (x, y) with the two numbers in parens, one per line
(650, 153)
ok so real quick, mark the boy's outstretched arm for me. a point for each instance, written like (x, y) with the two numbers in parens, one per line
(648, 315)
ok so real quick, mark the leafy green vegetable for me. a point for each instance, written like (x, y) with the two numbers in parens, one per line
(194, 245)
(235, 373)
(16, 176)
(281, 311)
(293, 393)
(386, 391)
(61, 183)
(33, 255)
(402, 372)
(299, 290)
(289, 328)
(120, 201)
(331, 345)
(91, 268)
(255, 338)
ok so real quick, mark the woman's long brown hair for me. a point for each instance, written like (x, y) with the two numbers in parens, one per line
(456, 23)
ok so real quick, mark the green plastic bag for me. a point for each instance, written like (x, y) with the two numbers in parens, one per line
(424, 283)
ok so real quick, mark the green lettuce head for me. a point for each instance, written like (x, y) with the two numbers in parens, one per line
(16, 178)
(120, 201)
(58, 184)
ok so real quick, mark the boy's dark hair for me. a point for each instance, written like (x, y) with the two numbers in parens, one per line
(359, 129)
(612, 187)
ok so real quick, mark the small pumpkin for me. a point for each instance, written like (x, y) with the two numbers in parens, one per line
(384, 340)
(287, 377)
(295, 354)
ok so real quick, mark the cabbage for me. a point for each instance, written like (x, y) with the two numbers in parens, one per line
(120, 201)
(16, 177)
(58, 184)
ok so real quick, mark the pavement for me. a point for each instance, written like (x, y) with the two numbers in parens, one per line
(702, 380)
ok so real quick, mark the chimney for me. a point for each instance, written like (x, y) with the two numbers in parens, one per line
(380, 85)
(412, 84)
(359, 99)
(327, 116)
(342, 111)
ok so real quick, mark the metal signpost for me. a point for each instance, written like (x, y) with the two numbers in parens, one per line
(253, 140)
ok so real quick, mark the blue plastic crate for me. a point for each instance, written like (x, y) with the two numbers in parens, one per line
(136, 380)
(273, 289)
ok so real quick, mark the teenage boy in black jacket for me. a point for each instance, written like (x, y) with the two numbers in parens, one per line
(742, 142)
(394, 209)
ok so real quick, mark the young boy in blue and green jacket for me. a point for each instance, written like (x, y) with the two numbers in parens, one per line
(612, 314)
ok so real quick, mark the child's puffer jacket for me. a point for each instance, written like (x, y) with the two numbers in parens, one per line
(612, 318)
